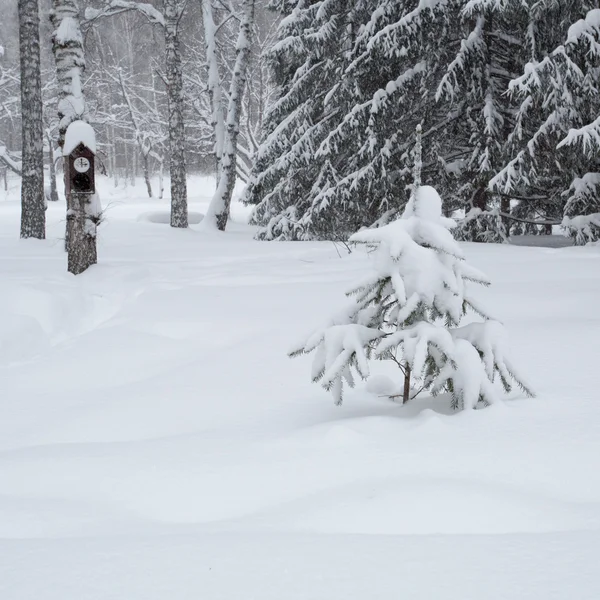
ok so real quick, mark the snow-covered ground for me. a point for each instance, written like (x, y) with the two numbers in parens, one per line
(156, 443)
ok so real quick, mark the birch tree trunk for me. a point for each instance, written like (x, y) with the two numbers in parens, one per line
(33, 215)
(218, 211)
(67, 46)
(179, 211)
(52, 168)
(83, 211)
(214, 83)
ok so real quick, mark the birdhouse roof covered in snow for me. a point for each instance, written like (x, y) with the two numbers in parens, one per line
(79, 132)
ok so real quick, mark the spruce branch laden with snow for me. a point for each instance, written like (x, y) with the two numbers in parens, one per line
(409, 310)
(554, 165)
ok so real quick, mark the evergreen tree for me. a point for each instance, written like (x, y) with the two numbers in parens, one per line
(555, 169)
(305, 63)
(386, 89)
(489, 53)
(366, 78)
(338, 159)
(356, 77)
(408, 310)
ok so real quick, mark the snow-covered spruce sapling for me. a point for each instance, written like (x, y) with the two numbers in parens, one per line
(409, 310)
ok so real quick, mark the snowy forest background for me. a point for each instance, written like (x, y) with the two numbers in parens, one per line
(506, 91)
(158, 442)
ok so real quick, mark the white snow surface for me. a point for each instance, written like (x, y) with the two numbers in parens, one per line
(79, 132)
(156, 442)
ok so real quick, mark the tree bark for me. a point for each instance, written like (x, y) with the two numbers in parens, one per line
(505, 208)
(84, 217)
(218, 211)
(33, 215)
(480, 199)
(179, 210)
(406, 392)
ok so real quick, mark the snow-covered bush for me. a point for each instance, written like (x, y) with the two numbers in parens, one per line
(409, 310)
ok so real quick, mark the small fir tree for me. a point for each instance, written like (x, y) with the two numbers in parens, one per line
(409, 311)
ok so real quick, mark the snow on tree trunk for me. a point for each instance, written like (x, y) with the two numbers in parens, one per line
(33, 216)
(179, 211)
(214, 83)
(218, 211)
(67, 46)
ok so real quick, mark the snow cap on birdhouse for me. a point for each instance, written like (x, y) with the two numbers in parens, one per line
(79, 151)
(79, 132)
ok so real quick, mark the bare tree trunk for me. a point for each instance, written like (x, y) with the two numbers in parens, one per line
(146, 170)
(33, 215)
(82, 250)
(505, 208)
(480, 199)
(134, 168)
(126, 174)
(113, 158)
(161, 179)
(67, 46)
(52, 168)
(179, 210)
(406, 393)
(218, 211)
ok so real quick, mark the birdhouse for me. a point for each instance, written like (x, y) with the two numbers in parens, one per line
(79, 152)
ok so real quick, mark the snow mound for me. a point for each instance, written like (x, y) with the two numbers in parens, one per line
(21, 337)
(382, 385)
(416, 505)
(164, 217)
